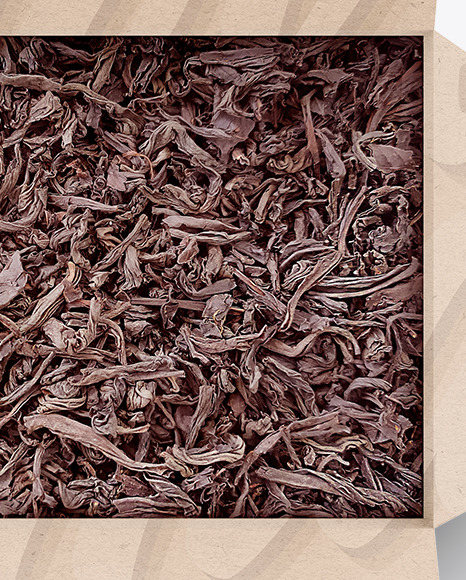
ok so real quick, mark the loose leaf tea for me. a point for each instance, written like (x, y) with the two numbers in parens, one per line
(211, 277)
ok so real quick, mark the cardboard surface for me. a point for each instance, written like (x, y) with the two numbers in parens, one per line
(286, 548)
(27, 17)
(447, 347)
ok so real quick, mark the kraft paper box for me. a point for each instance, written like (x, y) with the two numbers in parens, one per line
(291, 548)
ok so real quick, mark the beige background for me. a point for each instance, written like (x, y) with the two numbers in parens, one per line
(290, 549)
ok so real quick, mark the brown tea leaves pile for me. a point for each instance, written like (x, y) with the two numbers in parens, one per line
(211, 277)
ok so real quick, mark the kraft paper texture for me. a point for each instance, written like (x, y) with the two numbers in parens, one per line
(294, 549)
